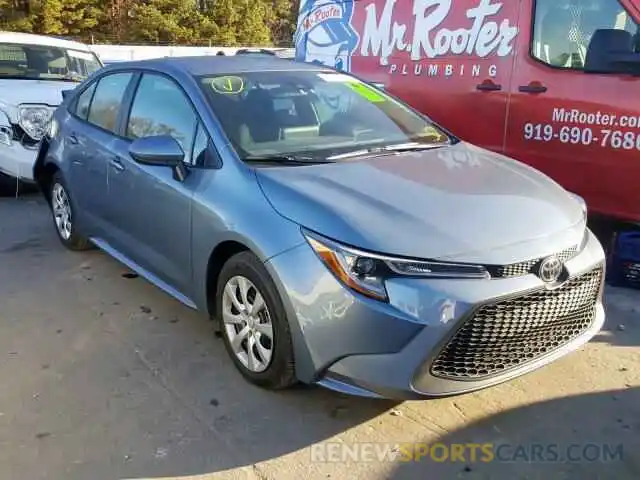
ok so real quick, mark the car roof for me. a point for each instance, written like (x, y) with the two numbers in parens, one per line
(214, 64)
(31, 39)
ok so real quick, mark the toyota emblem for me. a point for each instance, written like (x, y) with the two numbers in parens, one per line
(550, 269)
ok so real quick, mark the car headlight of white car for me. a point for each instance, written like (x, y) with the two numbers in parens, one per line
(34, 120)
(582, 202)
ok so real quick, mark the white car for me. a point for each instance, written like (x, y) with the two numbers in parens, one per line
(34, 71)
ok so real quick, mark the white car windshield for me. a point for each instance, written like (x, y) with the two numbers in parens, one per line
(40, 62)
(312, 113)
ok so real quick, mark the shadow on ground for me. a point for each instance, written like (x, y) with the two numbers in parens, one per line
(598, 431)
(120, 381)
(622, 327)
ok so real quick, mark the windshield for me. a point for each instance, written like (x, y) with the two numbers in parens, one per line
(39, 62)
(311, 113)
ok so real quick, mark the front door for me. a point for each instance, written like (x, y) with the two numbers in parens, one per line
(582, 129)
(150, 210)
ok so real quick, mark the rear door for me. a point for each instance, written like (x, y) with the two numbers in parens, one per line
(582, 129)
(89, 137)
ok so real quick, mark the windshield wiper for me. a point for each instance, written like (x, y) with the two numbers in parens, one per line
(402, 147)
(284, 159)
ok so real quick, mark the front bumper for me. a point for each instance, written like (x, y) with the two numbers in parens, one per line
(17, 160)
(18, 153)
(352, 344)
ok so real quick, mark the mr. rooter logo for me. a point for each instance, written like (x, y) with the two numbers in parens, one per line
(319, 15)
(481, 32)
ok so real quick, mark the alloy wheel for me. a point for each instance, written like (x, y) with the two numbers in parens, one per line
(247, 324)
(61, 211)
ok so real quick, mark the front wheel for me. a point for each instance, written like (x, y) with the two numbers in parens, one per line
(63, 217)
(254, 324)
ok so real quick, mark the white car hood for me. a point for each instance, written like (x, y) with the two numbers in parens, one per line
(15, 92)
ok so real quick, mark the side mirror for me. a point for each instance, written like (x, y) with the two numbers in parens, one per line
(161, 151)
(612, 51)
(66, 93)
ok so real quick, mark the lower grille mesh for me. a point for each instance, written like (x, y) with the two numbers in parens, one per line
(506, 334)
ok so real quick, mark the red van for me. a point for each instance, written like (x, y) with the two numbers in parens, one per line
(549, 82)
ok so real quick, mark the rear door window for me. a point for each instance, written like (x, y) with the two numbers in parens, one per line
(108, 97)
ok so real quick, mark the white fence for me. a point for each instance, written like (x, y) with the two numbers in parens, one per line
(120, 53)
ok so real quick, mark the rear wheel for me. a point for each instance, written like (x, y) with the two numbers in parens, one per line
(254, 326)
(63, 217)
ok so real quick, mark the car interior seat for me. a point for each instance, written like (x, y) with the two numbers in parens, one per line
(606, 41)
(260, 117)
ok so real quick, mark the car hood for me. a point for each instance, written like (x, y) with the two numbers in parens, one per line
(44, 92)
(458, 202)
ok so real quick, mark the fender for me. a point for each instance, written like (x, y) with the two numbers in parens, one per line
(40, 165)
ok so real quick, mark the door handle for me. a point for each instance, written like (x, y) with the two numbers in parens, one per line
(116, 164)
(532, 88)
(488, 86)
(73, 140)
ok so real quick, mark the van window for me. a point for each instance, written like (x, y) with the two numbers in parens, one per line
(563, 29)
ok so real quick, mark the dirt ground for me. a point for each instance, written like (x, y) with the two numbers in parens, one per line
(106, 377)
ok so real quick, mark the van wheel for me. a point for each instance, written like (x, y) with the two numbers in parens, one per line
(62, 212)
(254, 325)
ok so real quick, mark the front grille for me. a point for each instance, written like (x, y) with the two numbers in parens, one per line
(504, 335)
(529, 266)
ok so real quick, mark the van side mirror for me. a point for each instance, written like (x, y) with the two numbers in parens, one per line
(612, 51)
(66, 93)
(162, 151)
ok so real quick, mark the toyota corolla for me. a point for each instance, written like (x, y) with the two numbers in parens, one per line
(335, 235)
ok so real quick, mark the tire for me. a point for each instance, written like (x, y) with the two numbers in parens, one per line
(61, 209)
(279, 372)
(8, 186)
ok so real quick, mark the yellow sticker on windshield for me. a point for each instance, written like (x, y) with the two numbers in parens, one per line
(433, 134)
(367, 92)
(229, 85)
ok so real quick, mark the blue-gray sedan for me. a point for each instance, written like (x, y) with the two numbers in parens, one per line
(335, 235)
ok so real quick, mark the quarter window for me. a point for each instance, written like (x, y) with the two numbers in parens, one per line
(563, 29)
(107, 100)
(160, 108)
(201, 148)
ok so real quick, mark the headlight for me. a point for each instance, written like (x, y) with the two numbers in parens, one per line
(34, 120)
(582, 203)
(366, 272)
